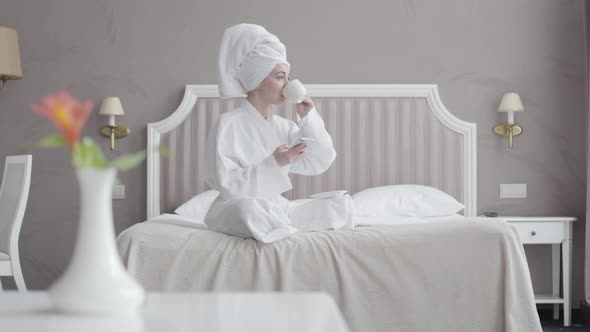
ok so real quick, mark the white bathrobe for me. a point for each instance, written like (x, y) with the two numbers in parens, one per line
(241, 166)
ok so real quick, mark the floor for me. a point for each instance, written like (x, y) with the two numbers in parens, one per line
(558, 326)
(550, 325)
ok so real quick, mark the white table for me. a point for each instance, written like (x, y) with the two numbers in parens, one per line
(556, 231)
(175, 312)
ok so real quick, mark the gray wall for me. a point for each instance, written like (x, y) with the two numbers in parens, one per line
(145, 51)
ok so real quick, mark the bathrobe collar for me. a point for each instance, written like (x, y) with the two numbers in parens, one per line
(249, 108)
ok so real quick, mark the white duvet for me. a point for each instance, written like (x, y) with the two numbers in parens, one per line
(168, 218)
(460, 274)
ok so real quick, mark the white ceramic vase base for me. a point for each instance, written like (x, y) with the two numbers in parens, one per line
(95, 280)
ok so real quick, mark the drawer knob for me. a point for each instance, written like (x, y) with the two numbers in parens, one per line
(533, 233)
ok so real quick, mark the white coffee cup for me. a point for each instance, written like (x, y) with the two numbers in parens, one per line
(294, 91)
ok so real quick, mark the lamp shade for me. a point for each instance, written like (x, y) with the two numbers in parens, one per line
(111, 106)
(9, 54)
(511, 102)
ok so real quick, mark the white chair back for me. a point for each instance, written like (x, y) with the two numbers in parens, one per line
(14, 195)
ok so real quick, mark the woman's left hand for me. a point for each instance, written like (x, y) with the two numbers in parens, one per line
(304, 107)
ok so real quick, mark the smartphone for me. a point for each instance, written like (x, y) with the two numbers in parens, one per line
(291, 147)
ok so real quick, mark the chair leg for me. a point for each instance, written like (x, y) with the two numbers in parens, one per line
(17, 274)
(1, 289)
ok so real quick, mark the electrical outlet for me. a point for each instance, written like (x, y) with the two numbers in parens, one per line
(119, 191)
(513, 190)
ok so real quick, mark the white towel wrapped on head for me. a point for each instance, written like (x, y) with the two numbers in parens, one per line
(248, 53)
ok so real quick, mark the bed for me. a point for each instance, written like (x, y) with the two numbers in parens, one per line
(459, 274)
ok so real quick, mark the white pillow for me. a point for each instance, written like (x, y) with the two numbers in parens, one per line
(404, 200)
(197, 207)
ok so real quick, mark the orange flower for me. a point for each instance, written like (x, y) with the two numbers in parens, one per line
(67, 114)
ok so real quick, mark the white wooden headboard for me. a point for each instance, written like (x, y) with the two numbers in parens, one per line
(383, 134)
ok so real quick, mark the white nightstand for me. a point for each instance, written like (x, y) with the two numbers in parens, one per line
(555, 231)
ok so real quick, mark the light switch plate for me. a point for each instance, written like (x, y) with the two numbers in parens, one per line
(513, 190)
(119, 191)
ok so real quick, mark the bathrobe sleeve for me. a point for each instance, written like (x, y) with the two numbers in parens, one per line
(231, 172)
(320, 153)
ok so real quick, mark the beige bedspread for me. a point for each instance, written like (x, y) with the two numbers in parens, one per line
(463, 275)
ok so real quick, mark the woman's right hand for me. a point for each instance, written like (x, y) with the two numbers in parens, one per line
(286, 156)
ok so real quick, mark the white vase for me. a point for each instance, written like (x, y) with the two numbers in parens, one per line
(95, 280)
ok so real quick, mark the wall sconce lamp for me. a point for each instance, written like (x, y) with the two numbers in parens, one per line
(111, 106)
(510, 103)
(9, 56)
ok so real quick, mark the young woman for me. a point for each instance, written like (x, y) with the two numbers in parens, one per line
(250, 151)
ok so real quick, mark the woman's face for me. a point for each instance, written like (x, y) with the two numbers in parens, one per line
(271, 88)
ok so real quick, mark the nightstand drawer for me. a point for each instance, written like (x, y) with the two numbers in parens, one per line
(540, 232)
